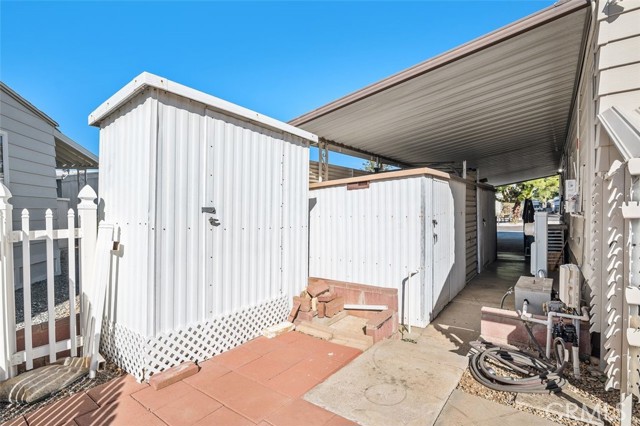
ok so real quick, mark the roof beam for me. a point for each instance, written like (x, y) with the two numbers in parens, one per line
(362, 153)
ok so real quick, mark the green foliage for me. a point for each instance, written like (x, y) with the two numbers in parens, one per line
(543, 189)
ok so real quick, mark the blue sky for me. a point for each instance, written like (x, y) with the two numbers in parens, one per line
(279, 58)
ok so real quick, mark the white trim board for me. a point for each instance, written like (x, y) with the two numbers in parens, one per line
(150, 80)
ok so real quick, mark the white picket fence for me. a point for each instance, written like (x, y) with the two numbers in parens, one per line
(10, 358)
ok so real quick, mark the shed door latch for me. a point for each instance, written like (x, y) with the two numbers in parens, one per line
(210, 210)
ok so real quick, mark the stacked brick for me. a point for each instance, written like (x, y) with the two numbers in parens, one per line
(317, 300)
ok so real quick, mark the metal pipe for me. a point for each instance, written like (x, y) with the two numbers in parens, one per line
(575, 350)
(411, 274)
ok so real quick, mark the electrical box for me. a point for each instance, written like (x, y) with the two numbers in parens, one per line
(569, 287)
(571, 196)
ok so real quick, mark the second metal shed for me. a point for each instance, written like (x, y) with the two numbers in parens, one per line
(405, 229)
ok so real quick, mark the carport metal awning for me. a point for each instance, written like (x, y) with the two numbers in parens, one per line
(501, 102)
(72, 155)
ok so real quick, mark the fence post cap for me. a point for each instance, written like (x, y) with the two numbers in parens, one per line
(87, 195)
(5, 194)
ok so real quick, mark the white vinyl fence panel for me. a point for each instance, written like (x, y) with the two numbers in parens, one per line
(9, 356)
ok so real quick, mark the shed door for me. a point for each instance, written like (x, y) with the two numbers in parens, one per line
(243, 238)
(443, 244)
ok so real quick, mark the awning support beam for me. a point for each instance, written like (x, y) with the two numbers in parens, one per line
(346, 149)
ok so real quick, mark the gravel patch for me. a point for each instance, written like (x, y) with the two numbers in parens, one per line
(590, 386)
(39, 311)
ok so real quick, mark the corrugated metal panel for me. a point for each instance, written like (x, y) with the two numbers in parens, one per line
(379, 235)
(335, 172)
(471, 232)
(503, 108)
(126, 181)
(177, 268)
(372, 236)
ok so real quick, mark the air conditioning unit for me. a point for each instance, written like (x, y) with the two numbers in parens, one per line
(570, 285)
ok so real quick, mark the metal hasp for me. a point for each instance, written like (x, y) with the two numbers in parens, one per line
(626, 136)
(539, 246)
(210, 210)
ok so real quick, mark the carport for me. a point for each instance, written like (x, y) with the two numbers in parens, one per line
(556, 92)
(493, 111)
(502, 103)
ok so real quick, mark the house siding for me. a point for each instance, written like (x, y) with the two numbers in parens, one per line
(31, 175)
(598, 237)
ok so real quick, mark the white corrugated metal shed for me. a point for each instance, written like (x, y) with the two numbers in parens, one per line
(210, 203)
(402, 229)
(502, 102)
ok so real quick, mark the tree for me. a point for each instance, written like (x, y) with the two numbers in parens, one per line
(543, 189)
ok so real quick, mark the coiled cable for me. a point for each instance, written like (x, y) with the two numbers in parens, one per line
(539, 376)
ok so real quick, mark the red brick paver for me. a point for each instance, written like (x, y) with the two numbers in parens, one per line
(123, 412)
(62, 411)
(300, 412)
(260, 382)
(245, 396)
(225, 416)
(188, 409)
(115, 389)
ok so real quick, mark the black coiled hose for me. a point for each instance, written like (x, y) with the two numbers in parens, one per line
(541, 376)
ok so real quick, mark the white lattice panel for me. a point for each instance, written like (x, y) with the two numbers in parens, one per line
(614, 234)
(205, 339)
(123, 347)
(594, 274)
